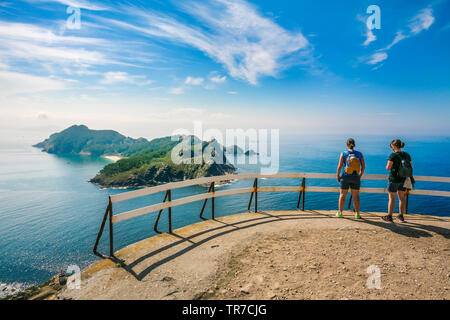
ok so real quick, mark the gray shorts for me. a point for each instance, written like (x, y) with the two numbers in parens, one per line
(350, 181)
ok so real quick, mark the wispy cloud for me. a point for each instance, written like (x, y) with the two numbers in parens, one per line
(370, 37)
(231, 32)
(193, 81)
(420, 22)
(82, 4)
(13, 83)
(124, 77)
(377, 57)
(177, 91)
(218, 79)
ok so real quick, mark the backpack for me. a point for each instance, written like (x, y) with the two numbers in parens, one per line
(405, 170)
(353, 165)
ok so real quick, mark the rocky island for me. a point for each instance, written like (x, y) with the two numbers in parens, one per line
(143, 162)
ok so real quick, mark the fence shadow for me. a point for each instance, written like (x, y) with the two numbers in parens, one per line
(408, 229)
(236, 226)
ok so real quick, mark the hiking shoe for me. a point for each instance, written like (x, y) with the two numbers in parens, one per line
(357, 215)
(401, 218)
(387, 218)
(339, 214)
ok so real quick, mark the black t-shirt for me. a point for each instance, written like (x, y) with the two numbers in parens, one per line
(396, 158)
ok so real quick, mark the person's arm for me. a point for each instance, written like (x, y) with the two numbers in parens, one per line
(339, 168)
(363, 166)
(390, 162)
(389, 165)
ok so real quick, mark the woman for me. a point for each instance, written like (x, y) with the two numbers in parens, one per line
(354, 166)
(400, 166)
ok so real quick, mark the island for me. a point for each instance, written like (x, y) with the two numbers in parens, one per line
(140, 162)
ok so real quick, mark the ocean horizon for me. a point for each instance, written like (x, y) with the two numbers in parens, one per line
(51, 214)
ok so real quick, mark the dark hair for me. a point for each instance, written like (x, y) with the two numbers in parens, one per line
(398, 143)
(351, 143)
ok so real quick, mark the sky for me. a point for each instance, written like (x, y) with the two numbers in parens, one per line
(147, 68)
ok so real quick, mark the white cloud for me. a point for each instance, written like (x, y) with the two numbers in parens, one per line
(30, 32)
(218, 79)
(115, 77)
(3, 66)
(233, 33)
(193, 81)
(177, 91)
(13, 83)
(31, 43)
(377, 57)
(124, 77)
(422, 21)
(399, 37)
(82, 4)
(370, 37)
(232, 92)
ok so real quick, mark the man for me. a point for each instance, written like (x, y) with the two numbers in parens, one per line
(354, 165)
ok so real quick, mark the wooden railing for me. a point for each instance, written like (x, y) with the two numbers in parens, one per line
(168, 203)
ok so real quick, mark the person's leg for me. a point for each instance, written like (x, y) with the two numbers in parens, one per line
(343, 195)
(356, 201)
(391, 207)
(402, 201)
(342, 198)
(392, 190)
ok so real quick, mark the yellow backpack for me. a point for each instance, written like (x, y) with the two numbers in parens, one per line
(353, 165)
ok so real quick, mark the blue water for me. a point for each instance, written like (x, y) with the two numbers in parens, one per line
(50, 214)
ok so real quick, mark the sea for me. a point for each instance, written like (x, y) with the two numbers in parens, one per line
(50, 214)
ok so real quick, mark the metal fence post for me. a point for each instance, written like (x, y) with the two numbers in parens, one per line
(212, 201)
(304, 192)
(170, 212)
(111, 239)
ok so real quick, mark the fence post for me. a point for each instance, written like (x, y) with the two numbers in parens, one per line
(299, 198)
(170, 212)
(111, 239)
(102, 226)
(256, 195)
(304, 193)
(212, 201)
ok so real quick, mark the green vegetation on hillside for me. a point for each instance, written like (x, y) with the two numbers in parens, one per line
(146, 163)
(80, 139)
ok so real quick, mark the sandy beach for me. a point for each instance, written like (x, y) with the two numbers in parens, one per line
(113, 158)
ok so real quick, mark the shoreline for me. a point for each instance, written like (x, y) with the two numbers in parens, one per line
(113, 158)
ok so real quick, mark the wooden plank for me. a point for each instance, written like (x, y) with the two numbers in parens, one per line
(433, 179)
(164, 205)
(207, 180)
(279, 189)
(170, 204)
(434, 193)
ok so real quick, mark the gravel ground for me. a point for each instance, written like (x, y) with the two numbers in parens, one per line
(280, 255)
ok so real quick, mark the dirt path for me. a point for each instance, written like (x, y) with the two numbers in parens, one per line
(280, 255)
